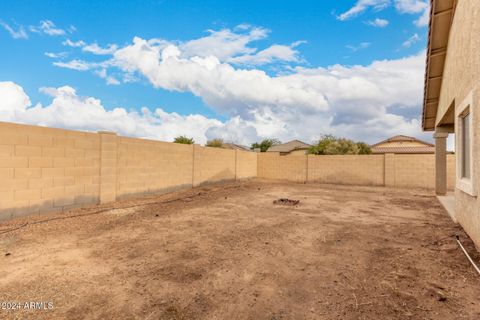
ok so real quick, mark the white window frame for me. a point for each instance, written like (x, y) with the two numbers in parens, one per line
(464, 184)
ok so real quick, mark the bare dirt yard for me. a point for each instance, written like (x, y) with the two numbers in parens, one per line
(229, 252)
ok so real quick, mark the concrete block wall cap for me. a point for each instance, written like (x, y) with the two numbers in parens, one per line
(107, 132)
(440, 135)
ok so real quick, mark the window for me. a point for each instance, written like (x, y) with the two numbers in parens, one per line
(465, 153)
(465, 179)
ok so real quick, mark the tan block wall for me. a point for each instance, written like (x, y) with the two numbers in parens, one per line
(213, 165)
(44, 169)
(246, 164)
(271, 165)
(346, 169)
(391, 170)
(147, 166)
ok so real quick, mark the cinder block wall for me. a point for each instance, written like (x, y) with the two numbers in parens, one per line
(146, 166)
(212, 165)
(245, 165)
(391, 170)
(271, 165)
(44, 169)
(351, 169)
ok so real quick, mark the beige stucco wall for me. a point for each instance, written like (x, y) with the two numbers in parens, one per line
(460, 77)
(347, 169)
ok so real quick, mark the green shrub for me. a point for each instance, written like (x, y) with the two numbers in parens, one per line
(215, 143)
(184, 140)
(330, 144)
(265, 144)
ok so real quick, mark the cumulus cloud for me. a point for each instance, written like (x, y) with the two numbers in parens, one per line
(69, 110)
(19, 33)
(224, 44)
(219, 84)
(47, 27)
(378, 23)
(362, 101)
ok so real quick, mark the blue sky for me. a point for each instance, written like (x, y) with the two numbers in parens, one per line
(323, 67)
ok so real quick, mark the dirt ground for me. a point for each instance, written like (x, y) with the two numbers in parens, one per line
(228, 252)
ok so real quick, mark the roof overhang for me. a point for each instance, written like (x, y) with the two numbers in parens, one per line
(441, 16)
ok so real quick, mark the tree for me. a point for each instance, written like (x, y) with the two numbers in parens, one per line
(265, 144)
(329, 144)
(215, 143)
(363, 148)
(184, 140)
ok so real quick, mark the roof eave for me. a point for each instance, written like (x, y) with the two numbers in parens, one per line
(441, 16)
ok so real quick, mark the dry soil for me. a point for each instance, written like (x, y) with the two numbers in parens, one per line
(228, 252)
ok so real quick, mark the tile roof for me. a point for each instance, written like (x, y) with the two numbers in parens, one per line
(378, 150)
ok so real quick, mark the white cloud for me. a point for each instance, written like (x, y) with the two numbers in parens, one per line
(269, 55)
(47, 27)
(20, 33)
(68, 110)
(424, 19)
(74, 44)
(362, 102)
(224, 44)
(361, 6)
(411, 6)
(219, 84)
(78, 65)
(59, 55)
(379, 23)
(402, 6)
(360, 46)
(110, 80)
(95, 49)
(411, 41)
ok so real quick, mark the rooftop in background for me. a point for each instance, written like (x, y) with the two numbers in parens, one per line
(234, 146)
(403, 144)
(289, 147)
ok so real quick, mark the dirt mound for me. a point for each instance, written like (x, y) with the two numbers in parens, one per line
(286, 202)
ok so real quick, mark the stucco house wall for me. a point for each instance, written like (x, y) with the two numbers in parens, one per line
(460, 78)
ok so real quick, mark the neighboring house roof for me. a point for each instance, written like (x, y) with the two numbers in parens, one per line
(235, 146)
(403, 144)
(441, 16)
(378, 150)
(289, 146)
